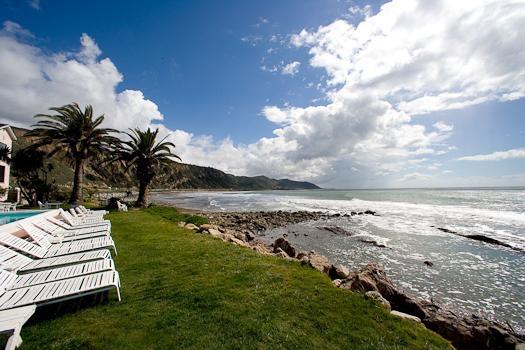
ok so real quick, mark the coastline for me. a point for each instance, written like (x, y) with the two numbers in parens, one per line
(247, 229)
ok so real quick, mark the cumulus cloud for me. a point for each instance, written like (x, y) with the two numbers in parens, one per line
(410, 58)
(42, 80)
(291, 68)
(518, 153)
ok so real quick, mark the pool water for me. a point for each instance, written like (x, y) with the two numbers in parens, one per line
(8, 217)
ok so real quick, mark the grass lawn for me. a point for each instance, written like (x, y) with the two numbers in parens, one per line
(185, 290)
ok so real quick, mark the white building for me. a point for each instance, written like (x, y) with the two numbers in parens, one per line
(7, 136)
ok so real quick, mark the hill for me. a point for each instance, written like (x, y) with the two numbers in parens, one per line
(178, 176)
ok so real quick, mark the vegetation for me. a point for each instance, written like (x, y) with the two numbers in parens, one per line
(75, 134)
(31, 170)
(184, 290)
(147, 157)
(173, 214)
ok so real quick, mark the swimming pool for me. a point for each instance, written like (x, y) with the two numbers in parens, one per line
(11, 216)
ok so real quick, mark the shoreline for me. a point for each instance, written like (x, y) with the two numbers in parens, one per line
(245, 228)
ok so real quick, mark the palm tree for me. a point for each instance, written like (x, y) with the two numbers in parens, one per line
(147, 157)
(5, 154)
(77, 135)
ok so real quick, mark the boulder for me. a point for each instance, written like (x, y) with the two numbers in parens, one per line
(376, 296)
(206, 227)
(281, 243)
(237, 241)
(465, 332)
(405, 316)
(319, 262)
(191, 226)
(261, 249)
(215, 233)
(339, 272)
(280, 253)
(249, 236)
(181, 224)
(428, 263)
(337, 282)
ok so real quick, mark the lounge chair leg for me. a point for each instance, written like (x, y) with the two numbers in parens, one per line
(118, 294)
(115, 249)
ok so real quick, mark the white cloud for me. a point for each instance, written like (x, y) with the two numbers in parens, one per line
(518, 153)
(291, 68)
(42, 80)
(412, 57)
(441, 126)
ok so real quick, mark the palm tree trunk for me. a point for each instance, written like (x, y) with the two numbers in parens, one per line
(142, 200)
(76, 193)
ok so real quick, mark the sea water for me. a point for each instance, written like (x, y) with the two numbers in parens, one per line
(467, 275)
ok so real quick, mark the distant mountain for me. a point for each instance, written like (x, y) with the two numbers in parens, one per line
(178, 176)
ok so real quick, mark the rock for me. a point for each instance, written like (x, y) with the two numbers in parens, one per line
(249, 236)
(428, 263)
(204, 232)
(370, 212)
(281, 243)
(335, 230)
(261, 249)
(215, 233)
(520, 346)
(319, 262)
(181, 224)
(191, 226)
(206, 227)
(339, 272)
(376, 296)
(304, 260)
(238, 241)
(280, 253)
(301, 254)
(465, 332)
(405, 316)
(337, 282)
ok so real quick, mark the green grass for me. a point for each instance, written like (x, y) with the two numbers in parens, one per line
(174, 215)
(185, 290)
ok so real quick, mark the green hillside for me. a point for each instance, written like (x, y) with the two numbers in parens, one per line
(178, 176)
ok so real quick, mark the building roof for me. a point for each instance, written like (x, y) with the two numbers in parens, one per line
(9, 131)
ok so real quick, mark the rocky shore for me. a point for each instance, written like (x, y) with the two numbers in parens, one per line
(464, 332)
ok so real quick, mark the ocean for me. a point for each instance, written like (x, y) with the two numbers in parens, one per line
(467, 275)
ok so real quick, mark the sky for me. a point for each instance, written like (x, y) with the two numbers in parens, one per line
(346, 94)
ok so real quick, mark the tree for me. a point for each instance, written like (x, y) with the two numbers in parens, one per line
(31, 170)
(77, 135)
(147, 157)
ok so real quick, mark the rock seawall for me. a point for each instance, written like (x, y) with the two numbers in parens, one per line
(464, 332)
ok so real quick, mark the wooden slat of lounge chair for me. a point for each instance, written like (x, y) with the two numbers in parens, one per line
(60, 290)
(66, 260)
(68, 227)
(61, 273)
(22, 245)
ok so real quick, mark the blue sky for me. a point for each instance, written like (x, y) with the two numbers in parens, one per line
(211, 70)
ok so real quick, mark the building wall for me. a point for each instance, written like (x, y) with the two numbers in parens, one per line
(6, 140)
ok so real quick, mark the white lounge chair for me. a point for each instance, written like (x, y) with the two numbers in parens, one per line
(85, 219)
(13, 261)
(77, 223)
(121, 206)
(66, 235)
(59, 273)
(54, 250)
(49, 242)
(42, 206)
(86, 210)
(79, 230)
(52, 292)
(90, 214)
(12, 320)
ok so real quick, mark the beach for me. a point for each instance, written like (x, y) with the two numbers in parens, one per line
(464, 274)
